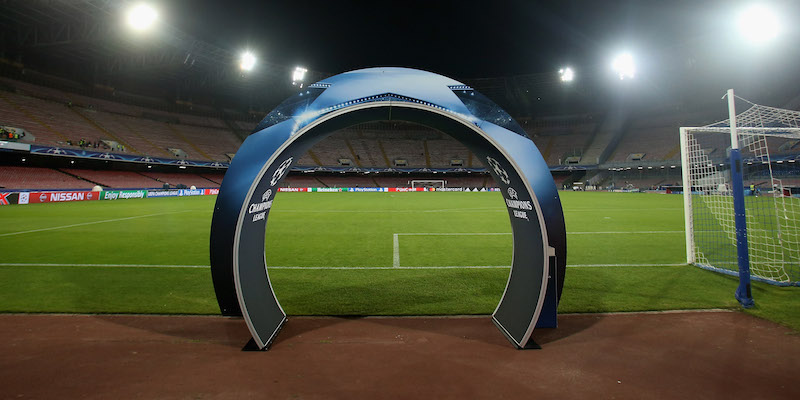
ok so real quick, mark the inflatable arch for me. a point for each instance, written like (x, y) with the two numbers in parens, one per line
(238, 265)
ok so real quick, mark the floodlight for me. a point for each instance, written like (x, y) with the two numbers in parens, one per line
(624, 66)
(299, 75)
(247, 61)
(758, 23)
(141, 17)
(567, 74)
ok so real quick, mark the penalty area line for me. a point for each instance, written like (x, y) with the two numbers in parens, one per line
(92, 223)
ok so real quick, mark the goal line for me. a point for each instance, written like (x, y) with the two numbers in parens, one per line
(396, 241)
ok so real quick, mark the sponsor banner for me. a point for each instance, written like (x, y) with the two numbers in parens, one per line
(8, 198)
(291, 189)
(191, 192)
(326, 190)
(209, 192)
(407, 189)
(15, 146)
(123, 194)
(448, 189)
(57, 197)
(366, 189)
(163, 193)
(86, 153)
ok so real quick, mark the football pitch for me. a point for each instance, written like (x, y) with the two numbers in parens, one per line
(358, 254)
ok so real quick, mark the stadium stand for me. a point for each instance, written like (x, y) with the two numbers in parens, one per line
(215, 178)
(20, 178)
(393, 181)
(127, 129)
(328, 152)
(444, 151)
(560, 180)
(188, 179)
(51, 123)
(302, 181)
(39, 178)
(348, 181)
(116, 179)
(656, 140)
(558, 142)
(56, 118)
(656, 136)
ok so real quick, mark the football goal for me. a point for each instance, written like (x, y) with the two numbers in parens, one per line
(431, 183)
(740, 190)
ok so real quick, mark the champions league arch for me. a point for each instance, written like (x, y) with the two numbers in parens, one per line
(238, 263)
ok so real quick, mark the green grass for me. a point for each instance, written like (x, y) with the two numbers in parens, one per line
(356, 230)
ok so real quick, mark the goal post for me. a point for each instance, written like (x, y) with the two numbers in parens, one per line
(741, 206)
(428, 183)
(743, 293)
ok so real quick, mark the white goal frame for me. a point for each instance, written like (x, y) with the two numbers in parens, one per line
(773, 252)
(425, 182)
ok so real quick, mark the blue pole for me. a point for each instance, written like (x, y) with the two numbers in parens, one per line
(743, 293)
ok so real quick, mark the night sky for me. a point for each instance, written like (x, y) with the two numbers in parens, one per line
(464, 39)
(679, 46)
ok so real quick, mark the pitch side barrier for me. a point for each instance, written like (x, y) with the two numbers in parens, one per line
(9, 198)
(61, 196)
(238, 262)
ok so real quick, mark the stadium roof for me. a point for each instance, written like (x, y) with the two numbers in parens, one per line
(516, 46)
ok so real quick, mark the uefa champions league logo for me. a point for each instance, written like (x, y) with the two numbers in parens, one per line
(498, 170)
(512, 193)
(280, 171)
(265, 196)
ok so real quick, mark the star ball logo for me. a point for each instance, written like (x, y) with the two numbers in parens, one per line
(280, 171)
(498, 170)
(266, 195)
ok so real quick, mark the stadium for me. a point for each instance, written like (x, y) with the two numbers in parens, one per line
(649, 150)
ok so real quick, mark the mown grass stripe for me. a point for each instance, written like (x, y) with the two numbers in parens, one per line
(53, 228)
(324, 268)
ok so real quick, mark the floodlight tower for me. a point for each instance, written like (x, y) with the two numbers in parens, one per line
(567, 74)
(247, 61)
(298, 76)
(624, 66)
(759, 24)
(141, 17)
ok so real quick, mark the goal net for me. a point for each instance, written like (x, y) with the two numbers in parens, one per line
(421, 183)
(769, 145)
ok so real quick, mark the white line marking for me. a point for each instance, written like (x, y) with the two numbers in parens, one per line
(101, 265)
(393, 267)
(479, 209)
(327, 268)
(396, 237)
(395, 251)
(622, 233)
(624, 265)
(623, 209)
(92, 223)
(454, 234)
(508, 233)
